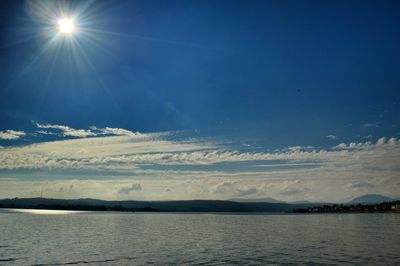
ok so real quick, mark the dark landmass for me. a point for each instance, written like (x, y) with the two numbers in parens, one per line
(371, 199)
(233, 205)
(153, 206)
(393, 206)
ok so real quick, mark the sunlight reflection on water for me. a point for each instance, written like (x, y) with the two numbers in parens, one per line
(43, 211)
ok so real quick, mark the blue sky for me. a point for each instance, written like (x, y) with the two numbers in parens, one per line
(200, 99)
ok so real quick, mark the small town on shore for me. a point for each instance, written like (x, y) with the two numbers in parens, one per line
(393, 206)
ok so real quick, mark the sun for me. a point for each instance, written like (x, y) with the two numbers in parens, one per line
(65, 25)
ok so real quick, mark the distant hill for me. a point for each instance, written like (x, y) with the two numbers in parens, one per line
(302, 202)
(270, 200)
(371, 198)
(160, 206)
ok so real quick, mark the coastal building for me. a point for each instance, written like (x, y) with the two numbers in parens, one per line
(396, 207)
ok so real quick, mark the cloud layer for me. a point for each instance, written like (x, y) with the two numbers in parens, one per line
(118, 163)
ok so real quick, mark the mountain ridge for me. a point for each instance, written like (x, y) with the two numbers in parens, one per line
(371, 198)
(161, 206)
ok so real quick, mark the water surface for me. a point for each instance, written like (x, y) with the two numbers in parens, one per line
(98, 238)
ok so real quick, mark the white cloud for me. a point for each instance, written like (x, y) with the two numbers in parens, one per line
(44, 132)
(295, 148)
(68, 131)
(361, 185)
(381, 141)
(393, 141)
(354, 145)
(362, 145)
(118, 131)
(131, 188)
(11, 134)
(293, 190)
(229, 189)
(332, 137)
(371, 125)
(246, 191)
(93, 131)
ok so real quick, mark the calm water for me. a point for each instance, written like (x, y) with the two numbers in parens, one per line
(135, 239)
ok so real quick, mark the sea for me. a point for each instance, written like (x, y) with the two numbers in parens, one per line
(45, 237)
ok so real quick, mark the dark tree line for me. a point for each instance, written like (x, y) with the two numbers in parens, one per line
(337, 208)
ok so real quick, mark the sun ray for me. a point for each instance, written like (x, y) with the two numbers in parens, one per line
(21, 41)
(29, 64)
(52, 65)
(98, 77)
(145, 38)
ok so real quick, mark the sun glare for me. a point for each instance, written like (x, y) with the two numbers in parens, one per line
(65, 25)
(41, 211)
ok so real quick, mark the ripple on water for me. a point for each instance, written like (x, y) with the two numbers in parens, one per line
(115, 239)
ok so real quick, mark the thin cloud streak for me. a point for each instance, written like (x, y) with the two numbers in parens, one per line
(93, 131)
